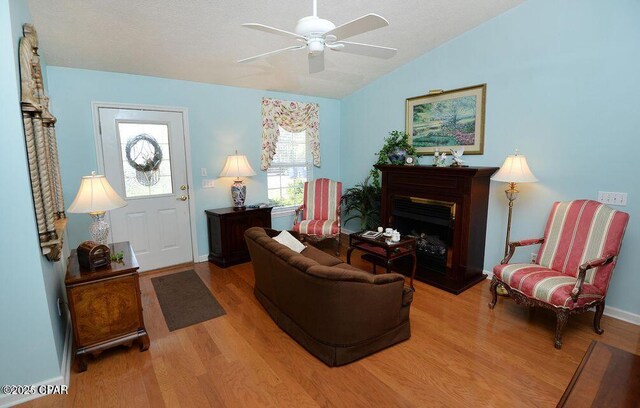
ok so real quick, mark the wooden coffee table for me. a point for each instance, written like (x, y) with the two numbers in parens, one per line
(384, 251)
(606, 377)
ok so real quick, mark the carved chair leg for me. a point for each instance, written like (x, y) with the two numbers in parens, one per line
(597, 317)
(338, 245)
(562, 316)
(494, 294)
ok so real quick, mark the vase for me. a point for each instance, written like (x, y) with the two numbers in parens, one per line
(397, 156)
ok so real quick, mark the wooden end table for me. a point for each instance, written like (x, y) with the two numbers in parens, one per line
(384, 250)
(105, 305)
(606, 377)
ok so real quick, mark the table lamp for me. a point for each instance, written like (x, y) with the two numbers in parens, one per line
(237, 166)
(95, 197)
(514, 170)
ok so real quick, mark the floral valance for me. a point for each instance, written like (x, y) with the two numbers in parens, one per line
(292, 117)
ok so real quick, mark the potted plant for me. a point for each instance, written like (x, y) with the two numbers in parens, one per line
(396, 149)
(363, 202)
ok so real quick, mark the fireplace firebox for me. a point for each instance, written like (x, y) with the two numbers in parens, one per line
(445, 209)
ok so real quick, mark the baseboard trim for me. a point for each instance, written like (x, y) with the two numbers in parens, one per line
(203, 258)
(62, 379)
(67, 354)
(610, 311)
(623, 315)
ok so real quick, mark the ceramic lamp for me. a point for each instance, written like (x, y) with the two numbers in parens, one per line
(95, 197)
(237, 166)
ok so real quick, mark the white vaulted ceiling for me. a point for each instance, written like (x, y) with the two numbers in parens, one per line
(200, 40)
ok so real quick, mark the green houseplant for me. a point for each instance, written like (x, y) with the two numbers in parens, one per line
(362, 201)
(395, 150)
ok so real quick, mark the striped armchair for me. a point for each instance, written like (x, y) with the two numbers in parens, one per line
(574, 265)
(320, 211)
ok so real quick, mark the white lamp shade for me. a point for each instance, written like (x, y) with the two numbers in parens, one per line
(237, 166)
(515, 170)
(95, 195)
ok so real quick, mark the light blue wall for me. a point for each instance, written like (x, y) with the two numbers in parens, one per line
(31, 332)
(562, 86)
(221, 119)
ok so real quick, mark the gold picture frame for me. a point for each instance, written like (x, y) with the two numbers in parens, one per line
(446, 120)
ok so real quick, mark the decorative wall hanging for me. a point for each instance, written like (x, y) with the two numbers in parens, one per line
(42, 150)
(144, 155)
(452, 119)
(293, 117)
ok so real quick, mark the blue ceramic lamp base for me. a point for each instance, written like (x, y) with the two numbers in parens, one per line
(238, 193)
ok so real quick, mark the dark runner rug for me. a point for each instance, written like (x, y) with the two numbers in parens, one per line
(185, 300)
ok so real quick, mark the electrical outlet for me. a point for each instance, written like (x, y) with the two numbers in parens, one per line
(208, 183)
(203, 172)
(612, 198)
(534, 256)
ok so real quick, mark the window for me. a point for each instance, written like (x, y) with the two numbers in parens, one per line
(146, 162)
(289, 170)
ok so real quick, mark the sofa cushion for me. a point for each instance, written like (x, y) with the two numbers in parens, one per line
(351, 275)
(545, 284)
(345, 265)
(301, 262)
(286, 239)
(320, 257)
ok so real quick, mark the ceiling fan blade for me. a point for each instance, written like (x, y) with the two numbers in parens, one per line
(316, 62)
(273, 30)
(360, 25)
(367, 50)
(266, 54)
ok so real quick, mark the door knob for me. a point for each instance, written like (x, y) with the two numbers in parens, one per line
(184, 187)
(183, 198)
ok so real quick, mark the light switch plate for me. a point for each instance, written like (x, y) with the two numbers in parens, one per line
(208, 183)
(612, 198)
(203, 172)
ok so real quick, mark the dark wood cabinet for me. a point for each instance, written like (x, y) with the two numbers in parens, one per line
(226, 227)
(105, 305)
(446, 208)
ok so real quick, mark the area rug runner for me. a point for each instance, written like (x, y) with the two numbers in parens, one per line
(185, 300)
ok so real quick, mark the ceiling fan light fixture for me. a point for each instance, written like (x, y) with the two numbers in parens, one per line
(317, 33)
(316, 45)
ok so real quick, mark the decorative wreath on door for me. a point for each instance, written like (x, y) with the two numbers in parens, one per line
(144, 155)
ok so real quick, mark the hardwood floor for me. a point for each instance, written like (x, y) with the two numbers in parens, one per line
(460, 354)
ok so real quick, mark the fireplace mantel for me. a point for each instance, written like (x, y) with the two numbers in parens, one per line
(468, 189)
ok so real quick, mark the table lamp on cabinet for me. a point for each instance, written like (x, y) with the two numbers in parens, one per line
(237, 166)
(95, 197)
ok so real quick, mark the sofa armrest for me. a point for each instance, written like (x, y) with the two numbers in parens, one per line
(582, 273)
(407, 295)
(514, 244)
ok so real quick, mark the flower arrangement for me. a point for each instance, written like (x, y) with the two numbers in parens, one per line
(395, 150)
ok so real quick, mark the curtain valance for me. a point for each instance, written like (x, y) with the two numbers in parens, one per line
(292, 117)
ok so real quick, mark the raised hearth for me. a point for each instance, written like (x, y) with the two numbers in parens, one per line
(445, 209)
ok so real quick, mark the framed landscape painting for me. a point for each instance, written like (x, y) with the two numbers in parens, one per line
(447, 120)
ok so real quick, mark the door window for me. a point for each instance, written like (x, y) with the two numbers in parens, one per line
(146, 160)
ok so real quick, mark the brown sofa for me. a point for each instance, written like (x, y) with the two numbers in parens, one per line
(339, 313)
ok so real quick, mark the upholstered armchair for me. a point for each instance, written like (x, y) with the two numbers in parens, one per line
(574, 264)
(318, 218)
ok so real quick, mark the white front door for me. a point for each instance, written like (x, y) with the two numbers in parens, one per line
(144, 158)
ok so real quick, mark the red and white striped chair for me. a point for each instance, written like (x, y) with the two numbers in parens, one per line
(320, 211)
(573, 266)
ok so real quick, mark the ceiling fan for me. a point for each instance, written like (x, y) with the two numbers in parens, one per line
(318, 34)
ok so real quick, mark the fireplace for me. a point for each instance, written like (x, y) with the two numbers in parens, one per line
(431, 223)
(445, 209)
